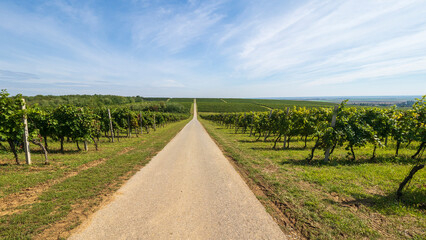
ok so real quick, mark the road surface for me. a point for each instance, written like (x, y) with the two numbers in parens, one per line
(188, 191)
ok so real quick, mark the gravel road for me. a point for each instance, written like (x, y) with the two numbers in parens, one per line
(188, 191)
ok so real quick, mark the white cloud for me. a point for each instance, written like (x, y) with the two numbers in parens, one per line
(323, 38)
(175, 28)
(376, 70)
(203, 47)
(62, 58)
(78, 12)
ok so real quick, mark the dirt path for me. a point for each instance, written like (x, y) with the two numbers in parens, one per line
(188, 191)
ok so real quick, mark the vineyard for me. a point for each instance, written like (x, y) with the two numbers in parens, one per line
(73, 124)
(340, 172)
(334, 171)
(349, 127)
(282, 104)
(77, 161)
(256, 105)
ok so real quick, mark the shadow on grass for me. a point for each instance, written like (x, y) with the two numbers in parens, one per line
(345, 161)
(255, 140)
(279, 149)
(56, 151)
(414, 197)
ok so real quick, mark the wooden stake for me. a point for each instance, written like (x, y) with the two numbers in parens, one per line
(251, 125)
(140, 117)
(26, 143)
(129, 130)
(110, 125)
(244, 127)
(285, 136)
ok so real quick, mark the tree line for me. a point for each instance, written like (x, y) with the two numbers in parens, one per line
(136, 102)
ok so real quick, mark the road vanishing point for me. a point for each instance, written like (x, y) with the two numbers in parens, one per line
(189, 190)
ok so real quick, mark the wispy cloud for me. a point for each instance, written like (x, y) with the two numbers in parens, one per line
(211, 48)
(77, 11)
(175, 28)
(332, 37)
(62, 58)
(16, 76)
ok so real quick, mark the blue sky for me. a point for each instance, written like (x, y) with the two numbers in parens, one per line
(240, 48)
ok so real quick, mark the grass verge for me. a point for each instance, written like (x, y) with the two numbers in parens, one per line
(340, 200)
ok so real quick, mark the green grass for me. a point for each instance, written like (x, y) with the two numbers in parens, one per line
(83, 191)
(341, 199)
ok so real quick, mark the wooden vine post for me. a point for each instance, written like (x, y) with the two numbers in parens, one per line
(333, 124)
(244, 126)
(285, 136)
(129, 128)
(140, 118)
(26, 143)
(251, 125)
(236, 123)
(154, 123)
(110, 125)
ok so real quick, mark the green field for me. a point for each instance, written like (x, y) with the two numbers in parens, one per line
(255, 105)
(337, 200)
(282, 104)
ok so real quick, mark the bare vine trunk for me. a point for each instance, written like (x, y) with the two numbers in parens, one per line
(13, 148)
(374, 152)
(407, 179)
(353, 153)
(46, 160)
(420, 149)
(266, 135)
(313, 150)
(306, 141)
(45, 143)
(398, 144)
(258, 137)
(276, 140)
(96, 144)
(62, 145)
(332, 149)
